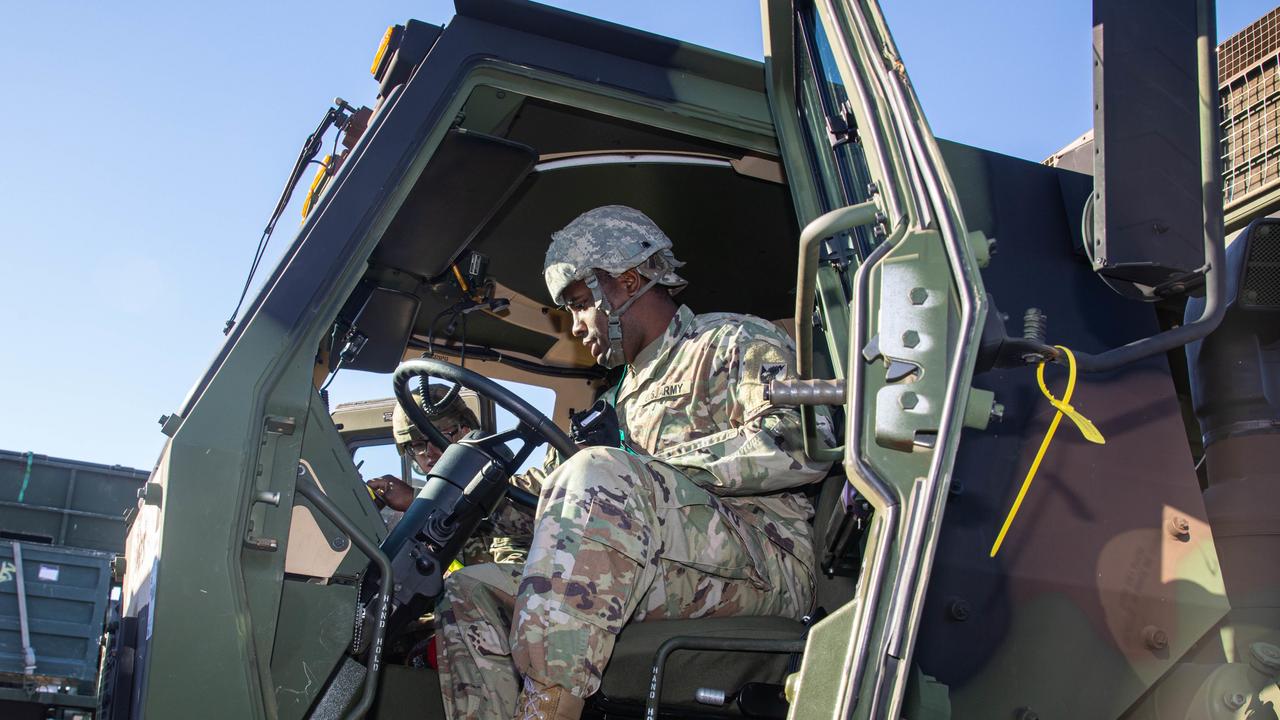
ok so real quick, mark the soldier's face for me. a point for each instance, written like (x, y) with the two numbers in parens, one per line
(425, 454)
(589, 324)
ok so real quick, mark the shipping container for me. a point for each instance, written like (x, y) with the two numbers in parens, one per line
(66, 502)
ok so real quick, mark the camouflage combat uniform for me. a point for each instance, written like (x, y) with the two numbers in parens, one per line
(692, 520)
(505, 535)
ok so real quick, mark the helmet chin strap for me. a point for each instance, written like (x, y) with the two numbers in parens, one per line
(615, 355)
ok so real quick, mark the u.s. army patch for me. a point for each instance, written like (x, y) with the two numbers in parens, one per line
(665, 391)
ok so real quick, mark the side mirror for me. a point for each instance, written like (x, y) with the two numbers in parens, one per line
(1136, 207)
(1151, 189)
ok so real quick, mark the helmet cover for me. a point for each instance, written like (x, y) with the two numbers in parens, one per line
(455, 412)
(612, 238)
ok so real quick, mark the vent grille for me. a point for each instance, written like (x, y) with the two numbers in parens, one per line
(1261, 287)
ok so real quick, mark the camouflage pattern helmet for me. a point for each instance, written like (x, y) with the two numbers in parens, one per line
(455, 413)
(615, 239)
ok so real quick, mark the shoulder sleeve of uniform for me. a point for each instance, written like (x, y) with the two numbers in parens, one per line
(763, 354)
(761, 448)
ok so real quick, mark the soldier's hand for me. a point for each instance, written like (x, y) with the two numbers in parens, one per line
(394, 492)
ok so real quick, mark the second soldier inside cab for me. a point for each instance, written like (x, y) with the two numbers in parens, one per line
(505, 537)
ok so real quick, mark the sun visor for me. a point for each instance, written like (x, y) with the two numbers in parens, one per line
(468, 179)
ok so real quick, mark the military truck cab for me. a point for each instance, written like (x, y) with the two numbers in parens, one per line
(808, 191)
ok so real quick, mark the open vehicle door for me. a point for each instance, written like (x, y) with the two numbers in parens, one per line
(885, 254)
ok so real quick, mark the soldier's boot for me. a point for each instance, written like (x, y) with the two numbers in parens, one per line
(547, 703)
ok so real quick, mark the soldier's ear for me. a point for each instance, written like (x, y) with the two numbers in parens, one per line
(631, 281)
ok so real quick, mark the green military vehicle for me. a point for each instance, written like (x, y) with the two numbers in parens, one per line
(62, 524)
(1133, 578)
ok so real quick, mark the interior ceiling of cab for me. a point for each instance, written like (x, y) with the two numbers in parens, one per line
(483, 192)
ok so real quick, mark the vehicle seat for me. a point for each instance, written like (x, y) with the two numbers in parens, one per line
(626, 681)
(625, 684)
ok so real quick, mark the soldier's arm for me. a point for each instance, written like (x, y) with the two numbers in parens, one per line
(763, 449)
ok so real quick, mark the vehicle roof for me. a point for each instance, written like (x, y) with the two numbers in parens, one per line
(615, 39)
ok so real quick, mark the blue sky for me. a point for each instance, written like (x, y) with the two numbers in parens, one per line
(145, 144)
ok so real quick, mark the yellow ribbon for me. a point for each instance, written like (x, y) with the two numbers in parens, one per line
(1087, 429)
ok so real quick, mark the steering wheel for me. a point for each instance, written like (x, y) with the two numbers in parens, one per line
(533, 429)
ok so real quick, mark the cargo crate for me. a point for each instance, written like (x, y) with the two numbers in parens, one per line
(67, 591)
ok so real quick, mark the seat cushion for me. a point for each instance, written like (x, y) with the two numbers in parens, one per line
(626, 678)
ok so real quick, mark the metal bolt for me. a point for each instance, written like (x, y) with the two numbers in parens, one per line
(1179, 527)
(1026, 714)
(338, 543)
(959, 610)
(910, 338)
(997, 412)
(909, 400)
(918, 295)
(1234, 700)
(1034, 329)
(1035, 325)
(872, 189)
(1155, 638)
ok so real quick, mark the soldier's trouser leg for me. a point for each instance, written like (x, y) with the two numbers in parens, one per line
(622, 537)
(477, 676)
(618, 537)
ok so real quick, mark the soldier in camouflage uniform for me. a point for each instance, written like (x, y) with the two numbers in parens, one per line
(697, 514)
(505, 537)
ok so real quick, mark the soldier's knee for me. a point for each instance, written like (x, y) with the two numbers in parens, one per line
(597, 467)
(458, 586)
(469, 585)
